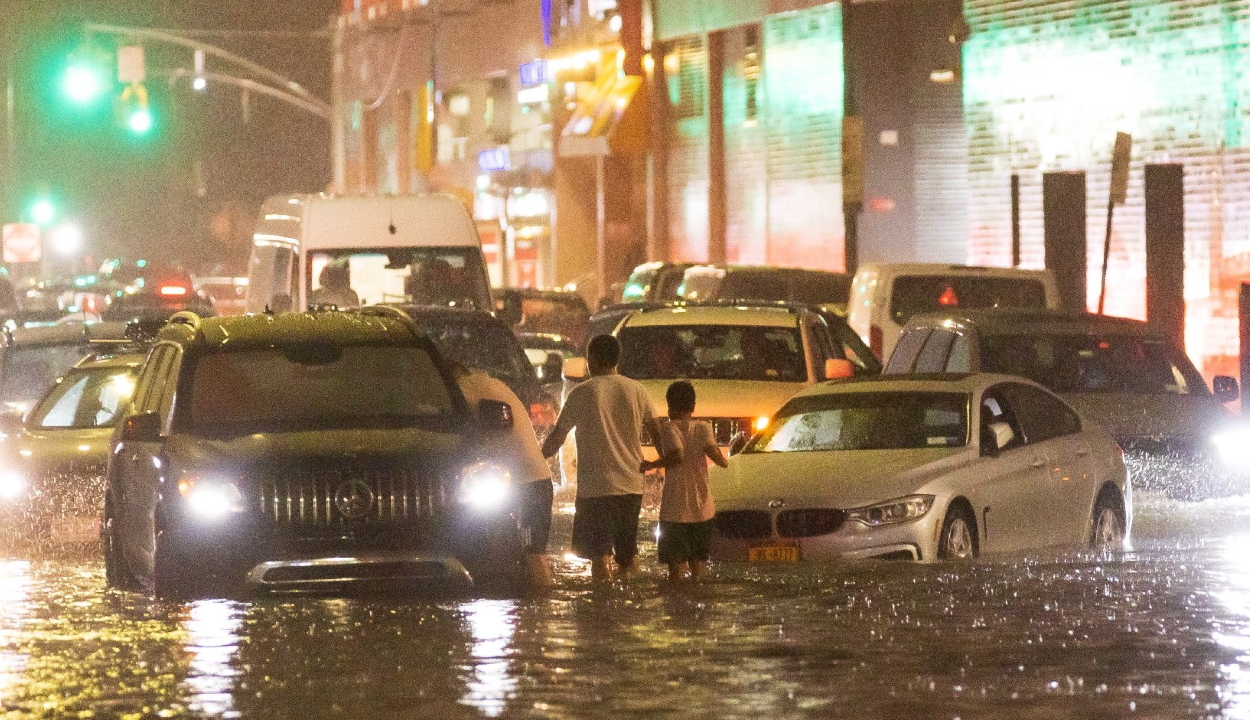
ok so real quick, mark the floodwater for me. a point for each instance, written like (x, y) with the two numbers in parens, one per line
(1159, 632)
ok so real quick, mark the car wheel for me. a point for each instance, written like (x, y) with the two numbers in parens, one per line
(959, 535)
(1108, 526)
(173, 576)
(116, 574)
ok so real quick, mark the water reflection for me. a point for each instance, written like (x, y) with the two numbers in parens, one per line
(14, 605)
(491, 682)
(212, 628)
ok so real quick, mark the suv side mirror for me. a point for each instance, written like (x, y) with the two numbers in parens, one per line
(1225, 388)
(738, 443)
(11, 422)
(576, 369)
(495, 414)
(143, 427)
(838, 368)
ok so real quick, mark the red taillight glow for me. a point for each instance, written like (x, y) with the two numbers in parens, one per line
(948, 297)
(173, 290)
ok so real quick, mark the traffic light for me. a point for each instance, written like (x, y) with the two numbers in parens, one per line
(83, 83)
(135, 113)
(42, 210)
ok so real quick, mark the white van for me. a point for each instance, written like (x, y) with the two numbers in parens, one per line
(884, 296)
(311, 250)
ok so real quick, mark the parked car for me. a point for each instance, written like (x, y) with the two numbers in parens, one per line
(744, 360)
(884, 296)
(766, 282)
(52, 483)
(158, 300)
(547, 354)
(227, 294)
(1119, 373)
(305, 451)
(32, 358)
(921, 468)
(654, 282)
(551, 312)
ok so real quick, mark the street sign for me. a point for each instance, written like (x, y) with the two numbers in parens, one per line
(130, 65)
(22, 243)
(1119, 167)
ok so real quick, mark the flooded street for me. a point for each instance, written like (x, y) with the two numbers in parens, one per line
(1161, 632)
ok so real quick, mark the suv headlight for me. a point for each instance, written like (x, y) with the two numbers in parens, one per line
(484, 486)
(12, 485)
(210, 498)
(890, 512)
(1232, 444)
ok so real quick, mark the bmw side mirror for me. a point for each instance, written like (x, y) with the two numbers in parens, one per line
(737, 444)
(11, 422)
(495, 414)
(1225, 388)
(143, 427)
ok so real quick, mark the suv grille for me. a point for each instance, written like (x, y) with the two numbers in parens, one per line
(809, 522)
(341, 496)
(744, 524)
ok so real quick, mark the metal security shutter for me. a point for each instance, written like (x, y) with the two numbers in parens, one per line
(685, 66)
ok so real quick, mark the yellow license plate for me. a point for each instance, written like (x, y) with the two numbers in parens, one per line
(773, 553)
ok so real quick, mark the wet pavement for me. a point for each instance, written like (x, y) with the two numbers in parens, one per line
(1159, 632)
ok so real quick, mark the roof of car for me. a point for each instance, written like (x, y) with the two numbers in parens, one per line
(946, 269)
(1021, 321)
(447, 314)
(64, 334)
(758, 315)
(128, 356)
(266, 330)
(929, 382)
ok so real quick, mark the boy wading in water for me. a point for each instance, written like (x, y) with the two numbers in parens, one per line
(686, 507)
(609, 412)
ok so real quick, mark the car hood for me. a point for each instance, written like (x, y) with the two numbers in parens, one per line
(45, 448)
(727, 398)
(1127, 415)
(836, 479)
(337, 447)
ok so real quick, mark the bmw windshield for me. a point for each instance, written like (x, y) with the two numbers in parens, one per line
(867, 421)
(313, 387)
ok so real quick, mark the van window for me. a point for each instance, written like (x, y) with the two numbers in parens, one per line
(916, 294)
(270, 279)
(960, 360)
(906, 350)
(933, 356)
(1094, 363)
(415, 275)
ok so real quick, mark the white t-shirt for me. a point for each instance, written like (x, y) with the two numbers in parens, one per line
(518, 448)
(608, 412)
(686, 497)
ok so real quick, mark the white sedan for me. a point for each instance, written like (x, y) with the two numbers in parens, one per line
(921, 468)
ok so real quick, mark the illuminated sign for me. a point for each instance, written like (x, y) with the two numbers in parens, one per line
(22, 243)
(534, 95)
(535, 73)
(494, 160)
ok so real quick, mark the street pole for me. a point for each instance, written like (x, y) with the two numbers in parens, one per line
(852, 149)
(8, 198)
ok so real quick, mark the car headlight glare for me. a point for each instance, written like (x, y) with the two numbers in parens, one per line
(900, 510)
(484, 486)
(210, 499)
(1233, 446)
(12, 485)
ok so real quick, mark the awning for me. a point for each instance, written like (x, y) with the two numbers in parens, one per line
(604, 122)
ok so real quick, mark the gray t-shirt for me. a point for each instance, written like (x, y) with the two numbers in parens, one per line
(608, 412)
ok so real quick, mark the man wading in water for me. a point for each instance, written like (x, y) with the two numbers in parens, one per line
(609, 412)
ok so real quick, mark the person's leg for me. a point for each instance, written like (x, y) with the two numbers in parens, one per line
(698, 570)
(536, 523)
(601, 568)
(592, 538)
(677, 571)
(625, 538)
(699, 545)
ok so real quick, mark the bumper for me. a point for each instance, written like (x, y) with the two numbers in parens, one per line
(456, 551)
(912, 540)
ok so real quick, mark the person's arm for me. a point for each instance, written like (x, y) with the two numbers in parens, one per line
(712, 450)
(563, 425)
(673, 450)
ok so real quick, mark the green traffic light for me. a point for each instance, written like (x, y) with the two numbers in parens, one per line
(140, 121)
(43, 211)
(83, 83)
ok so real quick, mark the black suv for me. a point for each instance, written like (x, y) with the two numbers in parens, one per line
(305, 451)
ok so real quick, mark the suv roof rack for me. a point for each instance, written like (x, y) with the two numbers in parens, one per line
(792, 306)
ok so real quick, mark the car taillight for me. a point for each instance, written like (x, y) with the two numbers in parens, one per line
(173, 290)
(876, 340)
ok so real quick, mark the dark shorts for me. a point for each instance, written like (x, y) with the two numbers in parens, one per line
(536, 515)
(607, 525)
(685, 542)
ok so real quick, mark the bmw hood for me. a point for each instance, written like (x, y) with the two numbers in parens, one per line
(1127, 416)
(835, 479)
(727, 398)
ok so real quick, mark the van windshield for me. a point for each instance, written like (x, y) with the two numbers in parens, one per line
(1094, 363)
(917, 294)
(408, 275)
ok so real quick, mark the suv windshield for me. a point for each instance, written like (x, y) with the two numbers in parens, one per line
(1094, 363)
(868, 421)
(313, 387)
(716, 352)
(418, 276)
(85, 398)
(917, 294)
